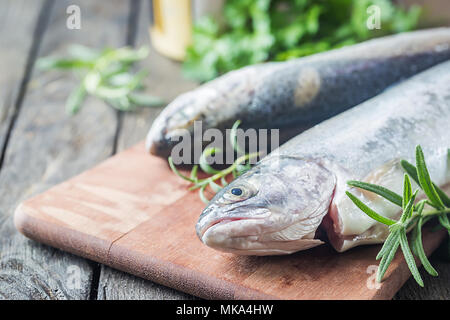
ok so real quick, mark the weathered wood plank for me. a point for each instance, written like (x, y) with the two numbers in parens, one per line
(118, 285)
(436, 288)
(165, 80)
(16, 43)
(46, 147)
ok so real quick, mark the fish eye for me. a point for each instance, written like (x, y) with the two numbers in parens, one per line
(236, 191)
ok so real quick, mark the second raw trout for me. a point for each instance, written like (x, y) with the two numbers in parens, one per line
(297, 94)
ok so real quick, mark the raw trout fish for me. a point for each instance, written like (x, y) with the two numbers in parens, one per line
(278, 206)
(297, 94)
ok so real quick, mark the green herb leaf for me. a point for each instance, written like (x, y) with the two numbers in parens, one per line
(387, 245)
(194, 173)
(369, 211)
(223, 181)
(203, 161)
(47, 63)
(412, 172)
(242, 168)
(420, 251)
(106, 75)
(388, 256)
(407, 212)
(119, 79)
(444, 197)
(121, 103)
(111, 93)
(381, 191)
(443, 220)
(76, 98)
(201, 192)
(420, 205)
(233, 137)
(129, 55)
(215, 187)
(409, 258)
(414, 239)
(107, 92)
(407, 191)
(174, 169)
(91, 81)
(145, 100)
(425, 180)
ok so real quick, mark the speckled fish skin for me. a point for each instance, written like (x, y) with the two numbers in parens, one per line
(300, 187)
(297, 94)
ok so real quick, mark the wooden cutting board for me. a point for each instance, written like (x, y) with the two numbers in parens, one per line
(132, 213)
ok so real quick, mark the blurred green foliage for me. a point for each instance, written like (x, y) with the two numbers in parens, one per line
(253, 31)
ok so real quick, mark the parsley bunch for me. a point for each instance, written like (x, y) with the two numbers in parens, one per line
(253, 31)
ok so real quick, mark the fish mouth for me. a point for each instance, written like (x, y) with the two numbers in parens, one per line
(216, 235)
(221, 233)
(159, 143)
(159, 148)
(155, 142)
(216, 222)
(161, 140)
(209, 220)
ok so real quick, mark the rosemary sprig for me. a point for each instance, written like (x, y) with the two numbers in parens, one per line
(413, 216)
(106, 75)
(217, 179)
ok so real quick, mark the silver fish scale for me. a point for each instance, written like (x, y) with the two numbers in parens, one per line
(384, 128)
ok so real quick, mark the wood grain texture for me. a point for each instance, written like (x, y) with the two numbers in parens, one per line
(46, 147)
(133, 205)
(16, 43)
(118, 285)
(165, 80)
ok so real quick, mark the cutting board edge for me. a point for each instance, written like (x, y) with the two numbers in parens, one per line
(60, 237)
(203, 286)
(33, 228)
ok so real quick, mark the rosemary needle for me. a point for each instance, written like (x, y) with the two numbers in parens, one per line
(414, 216)
(217, 180)
(106, 75)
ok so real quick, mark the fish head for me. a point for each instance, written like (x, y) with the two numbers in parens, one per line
(274, 208)
(177, 121)
(216, 104)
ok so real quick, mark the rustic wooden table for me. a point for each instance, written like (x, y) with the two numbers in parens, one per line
(41, 145)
